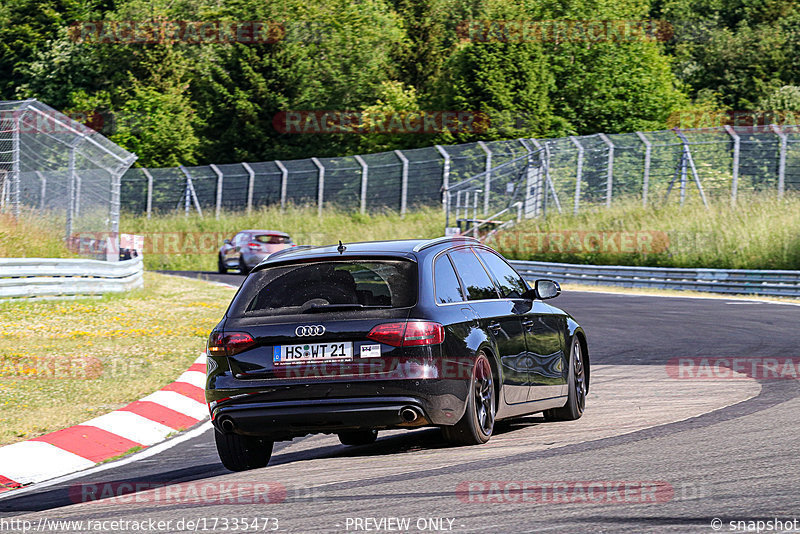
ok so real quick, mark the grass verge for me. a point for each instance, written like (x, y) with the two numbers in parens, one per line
(32, 236)
(63, 362)
(762, 232)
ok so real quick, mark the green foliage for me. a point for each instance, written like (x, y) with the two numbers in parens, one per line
(786, 98)
(743, 50)
(179, 102)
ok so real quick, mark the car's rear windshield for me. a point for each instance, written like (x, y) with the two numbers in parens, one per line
(327, 286)
(272, 239)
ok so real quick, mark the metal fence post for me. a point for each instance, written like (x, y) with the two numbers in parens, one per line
(250, 185)
(3, 185)
(116, 182)
(541, 196)
(445, 180)
(284, 181)
(364, 178)
(403, 182)
(320, 185)
(15, 166)
(610, 172)
(186, 196)
(548, 181)
(736, 148)
(43, 190)
(578, 174)
(487, 180)
(190, 192)
(781, 158)
(70, 193)
(687, 157)
(648, 150)
(149, 191)
(532, 181)
(218, 206)
(543, 185)
(77, 184)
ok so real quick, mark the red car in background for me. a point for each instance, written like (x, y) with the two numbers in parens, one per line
(249, 247)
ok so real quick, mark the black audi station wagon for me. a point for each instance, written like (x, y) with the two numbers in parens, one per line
(362, 337)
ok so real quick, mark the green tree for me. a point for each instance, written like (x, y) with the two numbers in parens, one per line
(335, 55)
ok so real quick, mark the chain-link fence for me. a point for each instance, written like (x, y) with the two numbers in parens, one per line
(476, 180)
(398, 180)
(651, 167)
(52, 164)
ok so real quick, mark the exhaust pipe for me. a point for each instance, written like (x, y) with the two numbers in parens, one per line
(227, 425)
(409, 414)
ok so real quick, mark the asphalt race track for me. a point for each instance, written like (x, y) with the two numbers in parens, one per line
(656, 451)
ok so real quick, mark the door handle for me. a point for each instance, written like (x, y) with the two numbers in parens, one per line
(495, 327)
(528, 324)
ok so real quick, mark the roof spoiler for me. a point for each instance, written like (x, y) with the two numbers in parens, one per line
(446, 239)
(290, 249)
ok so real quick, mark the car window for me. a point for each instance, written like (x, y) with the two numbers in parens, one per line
(290, 289)
(476, 281)
(511, 284)
(447, 288)
(271, 239)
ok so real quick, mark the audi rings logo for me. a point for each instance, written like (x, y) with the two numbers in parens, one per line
(310, 330)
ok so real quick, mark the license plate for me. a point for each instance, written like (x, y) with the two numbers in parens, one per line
(312, 352)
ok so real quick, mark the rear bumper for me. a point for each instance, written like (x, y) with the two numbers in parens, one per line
(287, 410)
(284, 420)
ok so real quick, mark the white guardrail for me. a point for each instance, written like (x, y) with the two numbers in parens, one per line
(733, 281)
(54, 277)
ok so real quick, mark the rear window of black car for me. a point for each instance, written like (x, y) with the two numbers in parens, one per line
(271, 239)
(327, 286)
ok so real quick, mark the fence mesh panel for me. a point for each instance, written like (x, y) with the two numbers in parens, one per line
(576, 173)
(54, 165)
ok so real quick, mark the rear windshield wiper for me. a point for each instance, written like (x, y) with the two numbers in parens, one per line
(318, 308)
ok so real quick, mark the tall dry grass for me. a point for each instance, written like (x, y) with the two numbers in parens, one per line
(762, 232)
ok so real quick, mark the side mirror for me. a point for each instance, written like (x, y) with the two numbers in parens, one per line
(226, 242)
(547, 289)
(543, 289)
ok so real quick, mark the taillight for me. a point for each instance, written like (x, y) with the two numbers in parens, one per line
(423, 333)
(229, 343)
(254, 245)
(410, 334)
(388, 334)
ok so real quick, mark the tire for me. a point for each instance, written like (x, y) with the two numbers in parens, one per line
(576, 400)
(358, 437)
(243, 268)
(221, 269)
(477, 424)
(240, 453)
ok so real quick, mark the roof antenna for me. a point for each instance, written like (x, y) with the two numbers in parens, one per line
(341, 248)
